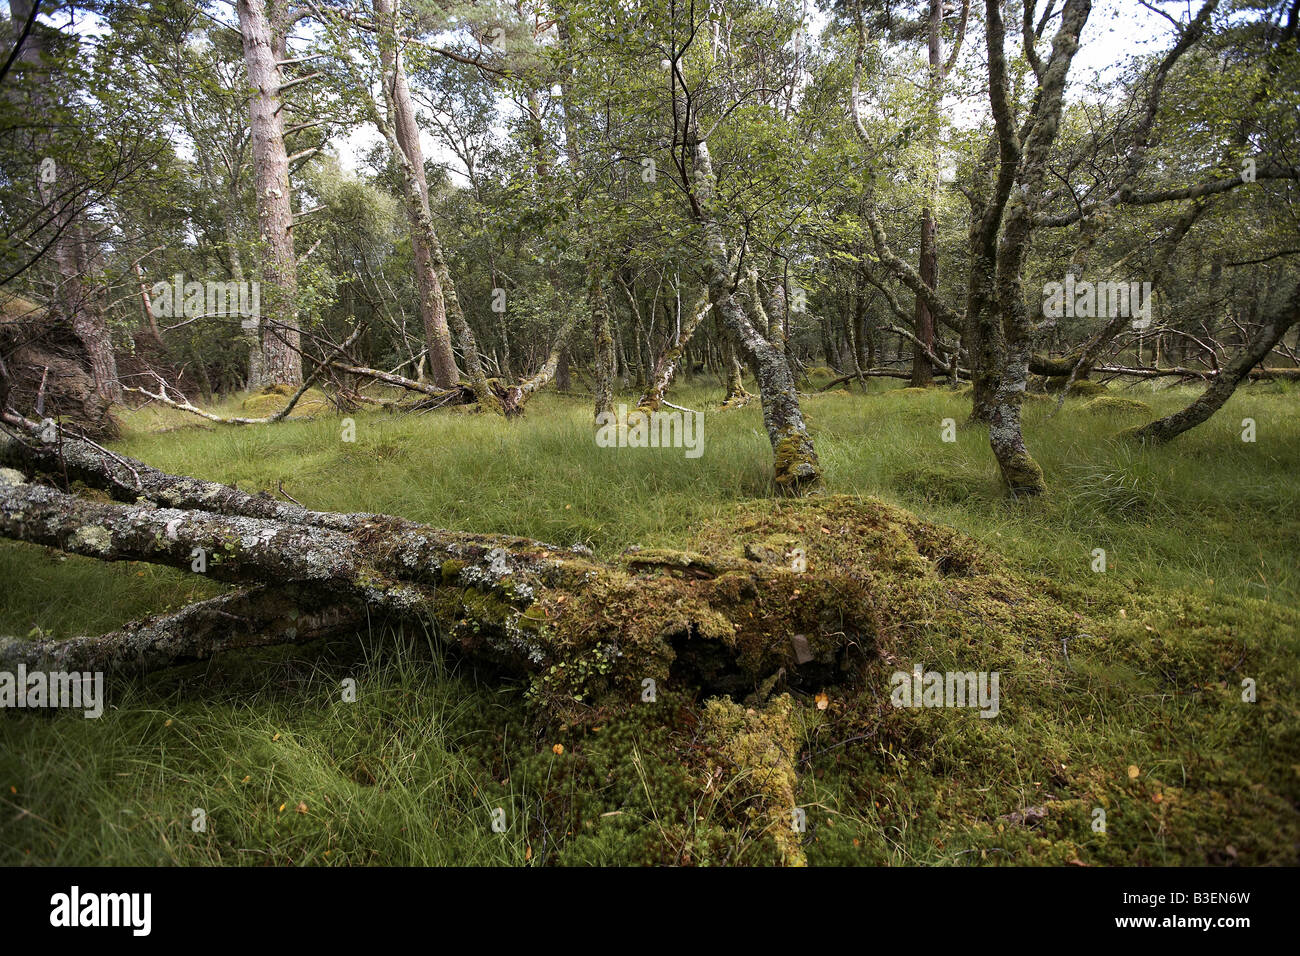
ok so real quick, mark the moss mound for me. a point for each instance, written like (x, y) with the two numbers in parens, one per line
(811, 605)
(948, 484)
(889, 568)
(770, 597)
(272, 398)
(1082, 387)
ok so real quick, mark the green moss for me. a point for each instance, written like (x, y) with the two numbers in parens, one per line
(754, 751)
(953, 483)
(685, 561)
(271, 399)
(1134, 433)
(1023, 476)
(795, 464)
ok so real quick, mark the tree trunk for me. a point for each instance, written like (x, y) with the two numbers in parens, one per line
(148, 323)
(79, 297)
(922, 371)
(1021, 473)
(82, 299)
(281, 360)
(666, 367)
(550, 368)
(736, 396)
(796, 467)
(624, 371)
(563, 372)
(250, 326)
(603, 341)
(433, 307)
(417, 210)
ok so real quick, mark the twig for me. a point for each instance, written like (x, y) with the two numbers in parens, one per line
(280, 488)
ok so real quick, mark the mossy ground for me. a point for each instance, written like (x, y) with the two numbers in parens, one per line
(271, 399)
(1120, 691)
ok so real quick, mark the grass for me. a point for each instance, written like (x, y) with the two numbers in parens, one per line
(1202, 542)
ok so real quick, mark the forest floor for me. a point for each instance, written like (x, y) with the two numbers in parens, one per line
(1142, 716)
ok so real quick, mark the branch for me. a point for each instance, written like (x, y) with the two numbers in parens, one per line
(254, 618)
(1212, 188)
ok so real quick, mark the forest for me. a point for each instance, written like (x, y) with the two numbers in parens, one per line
(650, 432)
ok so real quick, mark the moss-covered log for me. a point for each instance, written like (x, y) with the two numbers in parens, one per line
(580, 630)
(798, 597)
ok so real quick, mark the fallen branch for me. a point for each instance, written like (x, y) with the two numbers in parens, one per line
(1256, 374)
(937, 362)
(244, 619)
(184, 404)
(511, 397)
(874, 373)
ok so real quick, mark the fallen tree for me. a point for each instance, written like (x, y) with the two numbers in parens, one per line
(1050, 367)
(866, 373)
(1178, 371)
(183, 404)
(582, 631)
(1060, 369)
(509, 399)
(506, 398)
(734, 617)
(45, 368)
(1275, 325)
